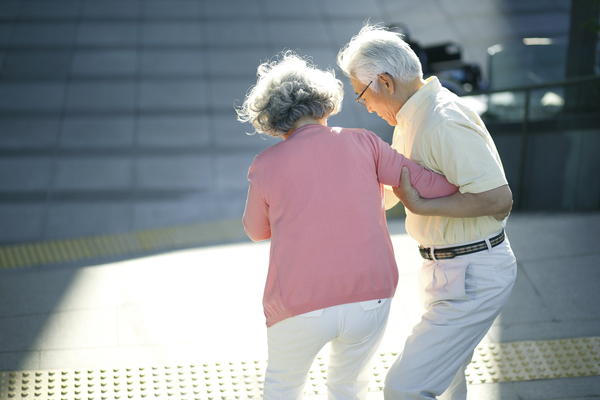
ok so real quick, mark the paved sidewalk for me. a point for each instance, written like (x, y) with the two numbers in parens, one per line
(203, 305)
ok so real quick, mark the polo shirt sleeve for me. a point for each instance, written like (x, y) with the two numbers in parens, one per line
(462, 154)
(256, 215)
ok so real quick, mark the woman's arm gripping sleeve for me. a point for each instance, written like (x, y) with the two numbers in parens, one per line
(429, 184)
(256, 216)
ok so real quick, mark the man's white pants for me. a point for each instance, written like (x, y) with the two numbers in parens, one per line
(462, 297)
(355, 331)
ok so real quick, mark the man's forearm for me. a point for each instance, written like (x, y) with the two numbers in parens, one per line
(495, 202)
(468, 205)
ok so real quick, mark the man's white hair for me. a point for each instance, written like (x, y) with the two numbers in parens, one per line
(376, 50)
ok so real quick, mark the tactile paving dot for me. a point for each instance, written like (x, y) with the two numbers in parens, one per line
(542, 359)
(234, 380)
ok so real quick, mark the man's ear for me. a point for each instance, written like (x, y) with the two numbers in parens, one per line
(386, 81)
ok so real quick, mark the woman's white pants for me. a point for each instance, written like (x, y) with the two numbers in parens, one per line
(355, 331)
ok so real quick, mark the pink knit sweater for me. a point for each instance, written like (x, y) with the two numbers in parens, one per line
(318, 197)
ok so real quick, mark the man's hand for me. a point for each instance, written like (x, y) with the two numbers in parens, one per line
(496, 202)
(407, 194)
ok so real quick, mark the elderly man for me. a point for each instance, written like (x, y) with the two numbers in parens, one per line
(469, 268)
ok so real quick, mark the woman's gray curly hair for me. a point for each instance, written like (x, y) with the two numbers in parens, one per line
(288, 89)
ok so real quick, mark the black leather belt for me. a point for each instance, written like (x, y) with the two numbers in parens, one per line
(451, 252)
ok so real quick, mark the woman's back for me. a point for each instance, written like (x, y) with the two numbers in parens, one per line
(326, 220)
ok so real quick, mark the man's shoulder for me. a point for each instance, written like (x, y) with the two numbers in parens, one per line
(447, 110)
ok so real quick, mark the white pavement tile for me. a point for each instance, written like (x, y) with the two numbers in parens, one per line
(77, 329)
(524, 305)
(495, 391)
(93, 173)
(176, 131)
(534, 237)
(19, 361)
(154, 324)
(568, 286)
(586, 386)
(44, 293)
(93, 132)
(19, 333)
(543, 330)
(116, 356)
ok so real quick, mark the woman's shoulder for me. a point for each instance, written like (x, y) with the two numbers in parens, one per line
(353, 132)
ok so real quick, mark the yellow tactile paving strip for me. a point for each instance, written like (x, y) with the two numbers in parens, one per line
(143, 241)
(543, 359)
(496, 362)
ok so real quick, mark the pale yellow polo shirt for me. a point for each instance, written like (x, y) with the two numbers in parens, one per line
(440, 133)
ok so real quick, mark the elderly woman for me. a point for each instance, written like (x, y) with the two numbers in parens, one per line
(318, 196)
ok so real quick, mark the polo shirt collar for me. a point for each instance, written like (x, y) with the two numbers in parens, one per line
(408, 110)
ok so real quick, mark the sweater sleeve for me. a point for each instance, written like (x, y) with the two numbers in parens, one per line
(256, 215)
(429, 184)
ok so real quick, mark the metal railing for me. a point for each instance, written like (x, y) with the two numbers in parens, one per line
(562, 117)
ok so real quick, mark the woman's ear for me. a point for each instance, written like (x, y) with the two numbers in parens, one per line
(386, 81)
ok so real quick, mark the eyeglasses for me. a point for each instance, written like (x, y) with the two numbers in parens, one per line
(359, 99)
